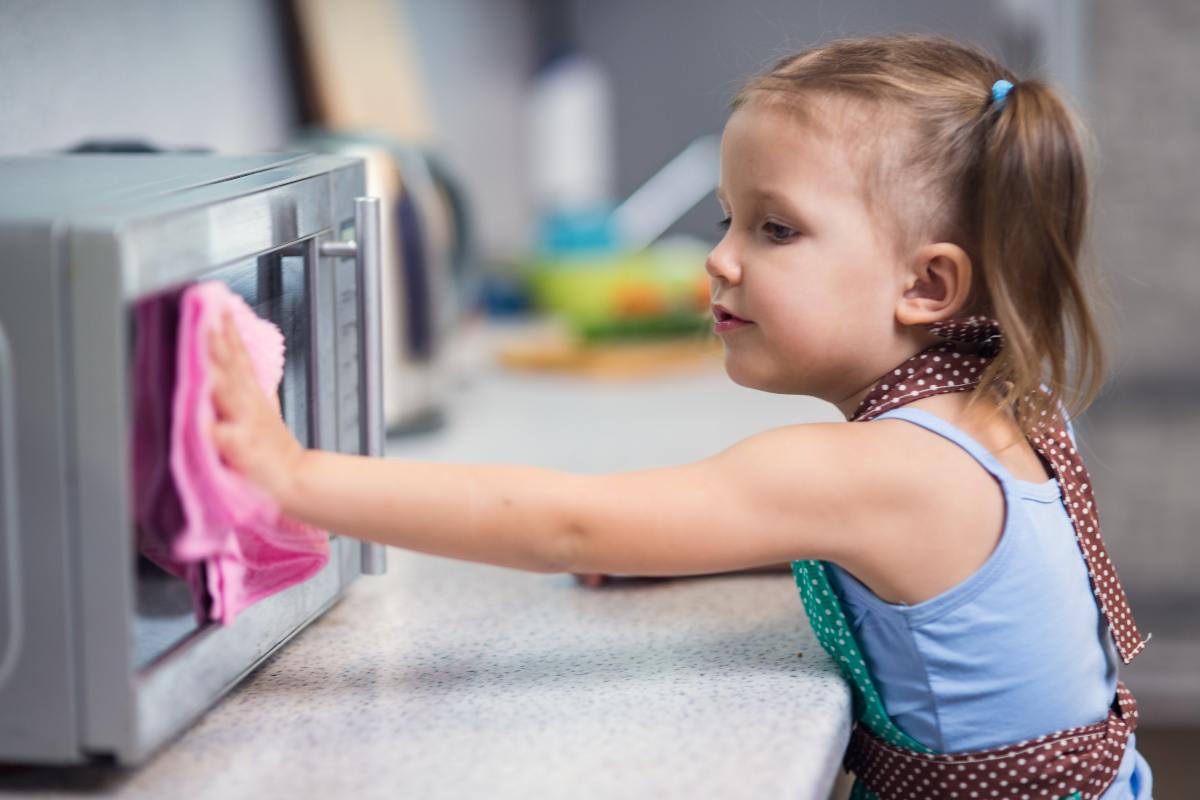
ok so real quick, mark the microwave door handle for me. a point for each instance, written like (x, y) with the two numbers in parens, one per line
(367, 264)
(367, 250)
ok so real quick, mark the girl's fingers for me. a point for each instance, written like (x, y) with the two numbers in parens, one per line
(222, 433)
(242, 355)
(222, 398)
(232, 340)
(218, 434)
(235, 385)
(216, 346)
(233, 350)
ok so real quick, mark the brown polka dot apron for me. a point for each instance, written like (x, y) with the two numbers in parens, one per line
(1077, 763)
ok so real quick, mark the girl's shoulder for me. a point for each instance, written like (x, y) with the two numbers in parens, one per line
(877, 498)
(939, 519)
(951, 511)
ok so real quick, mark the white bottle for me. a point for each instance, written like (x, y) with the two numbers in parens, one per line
(571, 136)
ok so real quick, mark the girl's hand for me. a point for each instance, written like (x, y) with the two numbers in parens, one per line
(249, 434)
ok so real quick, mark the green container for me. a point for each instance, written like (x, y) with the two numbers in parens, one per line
(657, 292)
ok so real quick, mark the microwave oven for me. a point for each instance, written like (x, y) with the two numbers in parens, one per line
(430, 278)
(103, 654)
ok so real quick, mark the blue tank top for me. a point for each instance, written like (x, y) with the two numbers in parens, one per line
(1015, 651)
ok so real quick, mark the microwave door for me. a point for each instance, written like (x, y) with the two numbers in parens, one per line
(183, 661)
(323, 294)
(171, 596)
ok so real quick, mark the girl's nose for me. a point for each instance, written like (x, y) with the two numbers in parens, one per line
(723, 262)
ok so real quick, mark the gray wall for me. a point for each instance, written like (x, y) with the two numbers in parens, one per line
(1144, 59)
(215, 74)
(181, 73)
(675, 64)
(1143, 436)
(477, 56)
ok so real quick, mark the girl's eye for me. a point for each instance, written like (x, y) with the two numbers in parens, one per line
(724, 223)
(778, 233)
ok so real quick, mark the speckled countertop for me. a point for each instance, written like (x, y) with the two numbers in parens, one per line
(446, 679)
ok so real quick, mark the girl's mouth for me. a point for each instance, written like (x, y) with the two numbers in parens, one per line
(726, 320)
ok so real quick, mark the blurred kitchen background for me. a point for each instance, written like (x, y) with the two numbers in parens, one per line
(515, 127)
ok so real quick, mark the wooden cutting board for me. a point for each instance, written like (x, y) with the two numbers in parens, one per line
(362, 67)
(557, 351)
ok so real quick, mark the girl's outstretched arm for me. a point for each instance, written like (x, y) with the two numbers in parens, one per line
(794, 492)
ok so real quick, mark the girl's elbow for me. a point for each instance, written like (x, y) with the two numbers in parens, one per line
(573, 525)
(564, 548)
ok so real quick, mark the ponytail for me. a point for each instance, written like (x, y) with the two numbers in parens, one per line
(1031, 215)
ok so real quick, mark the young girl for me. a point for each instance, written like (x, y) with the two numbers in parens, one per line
(903, 221)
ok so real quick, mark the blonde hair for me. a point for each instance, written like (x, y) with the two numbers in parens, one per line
(1006, 182)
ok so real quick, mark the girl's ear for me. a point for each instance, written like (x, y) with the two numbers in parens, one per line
(935, 286)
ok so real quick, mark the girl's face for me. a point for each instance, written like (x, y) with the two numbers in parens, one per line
(801, 260)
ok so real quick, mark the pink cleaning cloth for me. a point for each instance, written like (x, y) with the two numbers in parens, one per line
(249, 549)
(156, 507)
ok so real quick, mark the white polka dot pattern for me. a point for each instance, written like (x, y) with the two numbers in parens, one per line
(1078, 763)
(938, 370)
(829, 624)
(1081, 760)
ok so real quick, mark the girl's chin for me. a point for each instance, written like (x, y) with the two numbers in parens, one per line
(762, 379)
(746, 375)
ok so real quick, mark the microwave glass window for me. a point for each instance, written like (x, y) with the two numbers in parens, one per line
(171, 599)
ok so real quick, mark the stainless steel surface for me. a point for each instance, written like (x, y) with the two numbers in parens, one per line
(165, 251)
(97, 404)
(427, 274)
(86, 239)
(365, 249)
(174, 691)
(39, 717)
(10, 590)
(108, 273)
(335, 249)
(317, 360)
(367, 262)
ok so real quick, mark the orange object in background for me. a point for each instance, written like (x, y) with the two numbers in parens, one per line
(639, 300)
(553, 348)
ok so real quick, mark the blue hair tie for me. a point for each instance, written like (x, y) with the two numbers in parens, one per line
(1000, 91)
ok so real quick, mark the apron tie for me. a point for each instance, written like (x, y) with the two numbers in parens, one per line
(941, 369)
(1078, 763)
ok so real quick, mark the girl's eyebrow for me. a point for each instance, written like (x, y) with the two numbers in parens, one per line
(782, 200)
(774, 198)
